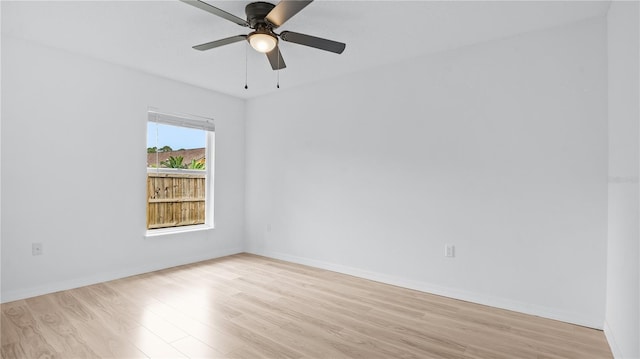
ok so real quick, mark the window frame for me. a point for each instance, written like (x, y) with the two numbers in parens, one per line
(189, 121)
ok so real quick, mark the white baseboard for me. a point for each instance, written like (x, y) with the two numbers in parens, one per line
(9, 296)
(608, 333)
(502, 303)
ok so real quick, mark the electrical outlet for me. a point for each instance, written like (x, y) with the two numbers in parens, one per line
(36, 249)
(449, 250)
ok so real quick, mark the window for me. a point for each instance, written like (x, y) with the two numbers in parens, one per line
(179, 172)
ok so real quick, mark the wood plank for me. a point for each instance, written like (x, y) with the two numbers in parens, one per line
(176, 175)
(193, 348)
(175, 200)
(32, 342)
(196, 327)
(152, 345)
(58, 329)
(92, 330)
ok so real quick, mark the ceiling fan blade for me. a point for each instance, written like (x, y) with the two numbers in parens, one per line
(214, 10)
(221, 42)
(317, 42)
(275, 59)
(285, 10)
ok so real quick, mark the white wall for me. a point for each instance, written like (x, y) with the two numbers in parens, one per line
(73, 170)
(623, 272)
(498, 148)
(0, 164)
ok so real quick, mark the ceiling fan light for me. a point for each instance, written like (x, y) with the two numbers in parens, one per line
(262, 42)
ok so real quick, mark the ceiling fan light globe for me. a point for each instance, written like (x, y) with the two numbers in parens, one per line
(263, 42)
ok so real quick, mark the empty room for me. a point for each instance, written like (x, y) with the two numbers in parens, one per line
(320, 179)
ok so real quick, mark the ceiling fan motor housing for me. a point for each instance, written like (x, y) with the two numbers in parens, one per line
(256, 13)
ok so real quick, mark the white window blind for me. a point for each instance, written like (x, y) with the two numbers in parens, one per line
(182, 120)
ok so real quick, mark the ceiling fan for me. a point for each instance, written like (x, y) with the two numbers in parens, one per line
(263, 18)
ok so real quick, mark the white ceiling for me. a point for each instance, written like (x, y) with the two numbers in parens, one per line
(156, 36)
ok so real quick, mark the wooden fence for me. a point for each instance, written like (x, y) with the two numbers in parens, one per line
(175, 199)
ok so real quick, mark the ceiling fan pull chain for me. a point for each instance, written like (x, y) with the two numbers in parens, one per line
(246, 66)
(278, 72)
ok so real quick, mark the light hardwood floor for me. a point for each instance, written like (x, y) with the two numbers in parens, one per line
(246, 306)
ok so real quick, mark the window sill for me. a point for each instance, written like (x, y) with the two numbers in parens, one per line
(176, 230)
